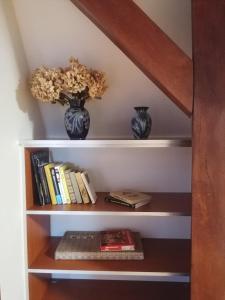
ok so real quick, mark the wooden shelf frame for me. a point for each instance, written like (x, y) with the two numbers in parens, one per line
(161, 205)
(105, 289)
(163, 257)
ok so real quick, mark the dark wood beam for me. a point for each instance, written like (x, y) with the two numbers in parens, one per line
(146, 45)
(208, 216)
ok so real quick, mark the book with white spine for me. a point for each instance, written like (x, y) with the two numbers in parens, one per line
(82, 188)
(89, 186)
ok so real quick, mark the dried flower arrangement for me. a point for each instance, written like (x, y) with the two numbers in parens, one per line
(52, 85)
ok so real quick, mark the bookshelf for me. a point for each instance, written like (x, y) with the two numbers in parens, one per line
(164, 258)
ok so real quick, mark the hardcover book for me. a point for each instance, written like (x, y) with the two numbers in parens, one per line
(38, 159)
(85, 245)
(131, 197)
(111, 199)
(117, 240)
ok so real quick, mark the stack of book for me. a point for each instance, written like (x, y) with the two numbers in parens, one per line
(103, 245)
(58, 183)
(131, 199)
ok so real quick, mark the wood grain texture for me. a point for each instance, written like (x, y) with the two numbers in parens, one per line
(30, 197)
(38, 286)
(208, 225)
(174, 203)
(38, 231)
(146, 45)
(161, 255)
(111, 290)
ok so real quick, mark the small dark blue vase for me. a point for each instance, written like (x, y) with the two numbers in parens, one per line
(141, 124)
(77, 120)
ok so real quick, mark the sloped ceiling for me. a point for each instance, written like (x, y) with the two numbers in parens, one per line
(52, 31)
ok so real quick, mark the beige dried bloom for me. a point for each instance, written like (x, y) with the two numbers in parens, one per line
(97, 84)
(46, 84)
(49, 85)
(75, 78)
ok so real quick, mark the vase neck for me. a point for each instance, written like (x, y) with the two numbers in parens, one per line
(141, 109)
(75, 102)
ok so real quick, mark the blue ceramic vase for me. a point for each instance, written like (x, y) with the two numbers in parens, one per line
(141, 124)
(77, 120)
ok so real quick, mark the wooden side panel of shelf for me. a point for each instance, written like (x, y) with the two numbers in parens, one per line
(38, 232)
(38, 286)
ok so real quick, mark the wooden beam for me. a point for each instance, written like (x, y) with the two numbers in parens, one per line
(208, 216)
(146, 45)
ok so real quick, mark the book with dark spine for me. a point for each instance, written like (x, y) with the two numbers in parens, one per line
(56, 186)
(38, 159)
(44, 184)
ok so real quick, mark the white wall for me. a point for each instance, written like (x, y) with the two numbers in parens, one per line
(17, 114)
(53, 30)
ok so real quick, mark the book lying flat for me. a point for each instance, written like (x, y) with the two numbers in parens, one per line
(117, 240)
(131, 197)
(85, 245)
(111, 199)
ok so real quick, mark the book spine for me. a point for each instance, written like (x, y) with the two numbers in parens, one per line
(60, 185)
(119, 202)
(117, 248)
(44, 184)
(50, 183)
(82, 188)
(56, 187)
(70, 187)
(65, 189)
(89, 189)
(75, 187)
(38, 187)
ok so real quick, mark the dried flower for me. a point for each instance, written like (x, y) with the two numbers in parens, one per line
(97, 84)
(46, 84)
(51, 85)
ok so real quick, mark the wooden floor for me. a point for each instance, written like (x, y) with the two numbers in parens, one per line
(161, 255)
(116, 290)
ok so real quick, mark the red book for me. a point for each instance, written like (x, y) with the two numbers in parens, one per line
(117, 240)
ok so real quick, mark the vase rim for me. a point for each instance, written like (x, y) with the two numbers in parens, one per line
(141, 107)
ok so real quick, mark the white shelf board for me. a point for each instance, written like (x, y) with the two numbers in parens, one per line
(151, 143)
(107, 213)
(140, 274)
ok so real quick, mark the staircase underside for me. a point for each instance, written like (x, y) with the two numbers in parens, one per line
(159, 58)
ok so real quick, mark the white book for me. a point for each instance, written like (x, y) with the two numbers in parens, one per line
(89, 187)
